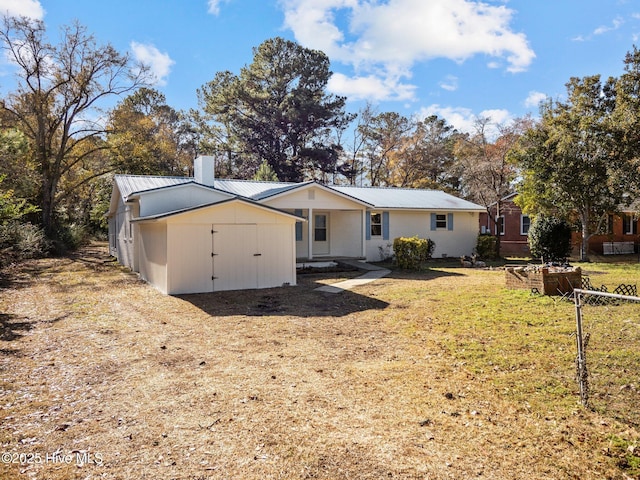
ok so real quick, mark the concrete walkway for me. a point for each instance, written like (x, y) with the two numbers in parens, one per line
(373, 272)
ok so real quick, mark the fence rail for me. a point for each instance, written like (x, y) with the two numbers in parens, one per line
(582, 340)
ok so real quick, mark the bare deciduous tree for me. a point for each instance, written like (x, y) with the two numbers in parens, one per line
(55, 104)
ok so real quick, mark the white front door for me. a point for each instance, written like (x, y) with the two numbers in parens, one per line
(321, 233)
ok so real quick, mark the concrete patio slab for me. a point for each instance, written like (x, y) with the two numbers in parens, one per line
(368, 277)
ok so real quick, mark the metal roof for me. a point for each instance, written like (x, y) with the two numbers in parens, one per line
(128, 184)
(254, 189)
(172, 213)
(378, 197)
(407, 198)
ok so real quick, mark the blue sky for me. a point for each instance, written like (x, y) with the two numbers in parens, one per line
(459, 59)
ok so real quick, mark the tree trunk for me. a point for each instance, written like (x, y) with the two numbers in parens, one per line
(584, 247)
(498, 224)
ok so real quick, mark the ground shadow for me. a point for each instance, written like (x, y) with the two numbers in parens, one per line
(430, 273)
(300, 301)
(11, 328)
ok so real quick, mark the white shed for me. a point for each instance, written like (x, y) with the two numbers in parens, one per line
(230, 245)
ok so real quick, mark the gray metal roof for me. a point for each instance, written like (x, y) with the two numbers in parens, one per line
(128, 184)
(407, 198)
(254, 189)
(379, 197)
(207, 205)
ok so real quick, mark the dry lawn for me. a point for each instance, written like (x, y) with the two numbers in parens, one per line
(437, 375)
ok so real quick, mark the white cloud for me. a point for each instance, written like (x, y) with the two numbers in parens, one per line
(615, 24)
(369, 87)
(159, 63)
(26, 8)
(387, 37)
(534, 98)
(464, 119)
(450, 83)
(214, 6)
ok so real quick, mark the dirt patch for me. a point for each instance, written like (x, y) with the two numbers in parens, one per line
(101, 376)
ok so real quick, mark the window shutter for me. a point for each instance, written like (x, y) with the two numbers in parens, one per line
(385, 225)
(449, 221)
(433, 221)
(368, 225)
(298, 226)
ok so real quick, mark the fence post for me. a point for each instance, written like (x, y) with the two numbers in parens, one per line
(581, 360)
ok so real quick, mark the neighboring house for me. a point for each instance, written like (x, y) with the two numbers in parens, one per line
(621, 237)
(201, 234)
(513, 227)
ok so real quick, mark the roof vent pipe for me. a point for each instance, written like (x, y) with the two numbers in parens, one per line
(203, 170)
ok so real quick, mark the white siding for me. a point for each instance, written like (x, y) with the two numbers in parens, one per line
(277, 262)
(124, 236)
(153, 254)
(235, 264)
(252, 247)
(189, 264)
(451, 243)
(346, 233)
(315, 198)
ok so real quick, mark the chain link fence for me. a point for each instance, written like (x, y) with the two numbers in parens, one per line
(608, 351)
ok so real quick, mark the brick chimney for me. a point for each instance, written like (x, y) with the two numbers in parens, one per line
(203, 170)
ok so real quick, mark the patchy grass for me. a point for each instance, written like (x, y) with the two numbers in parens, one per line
(437, 374)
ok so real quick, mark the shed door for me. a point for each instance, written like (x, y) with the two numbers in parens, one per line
(190, 269)
(276, 261)
(235, 257)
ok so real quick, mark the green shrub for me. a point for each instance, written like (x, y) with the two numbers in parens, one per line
(550, 239)
(486, 246)
(411, 252)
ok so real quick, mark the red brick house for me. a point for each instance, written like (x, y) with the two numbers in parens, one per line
(513, 227)
(621, 237)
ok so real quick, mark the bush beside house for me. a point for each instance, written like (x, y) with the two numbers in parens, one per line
(410, 252)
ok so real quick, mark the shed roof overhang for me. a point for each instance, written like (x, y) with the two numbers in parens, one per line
(165, 215)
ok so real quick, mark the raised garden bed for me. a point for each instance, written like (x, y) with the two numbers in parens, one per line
(543, 279)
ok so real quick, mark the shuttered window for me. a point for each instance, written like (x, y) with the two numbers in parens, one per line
(442, 221)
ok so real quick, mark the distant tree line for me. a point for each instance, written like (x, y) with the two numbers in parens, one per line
(275, 120)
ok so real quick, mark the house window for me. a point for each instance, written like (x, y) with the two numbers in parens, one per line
(376, 224)
(442, 221)
(320, 228)
(525, 223)
(610, 224)
(500, 225)
(629, 225)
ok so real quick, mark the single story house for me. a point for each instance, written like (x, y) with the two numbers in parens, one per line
(202, 234)
(620, 234)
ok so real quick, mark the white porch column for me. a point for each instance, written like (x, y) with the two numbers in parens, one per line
(310, 233)
(364, 233)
